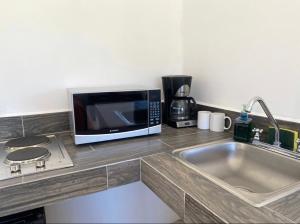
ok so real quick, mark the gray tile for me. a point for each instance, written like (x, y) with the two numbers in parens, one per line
(88, 176)
(288, 206)
(46, 123)
(123, 173)
(179, 221)
(10, 182)
(99, 155)
(168, 131)
(76, 152)
(202, 137)
(167, 191)
(197, 213)
(116, 151)
(11, 127)
(39, 193)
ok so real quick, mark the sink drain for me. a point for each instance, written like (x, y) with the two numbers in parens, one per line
(245, 189)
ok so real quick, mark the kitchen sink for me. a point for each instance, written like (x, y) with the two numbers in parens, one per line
(254, 174)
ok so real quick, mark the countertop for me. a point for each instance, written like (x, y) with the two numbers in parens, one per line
(102, 166)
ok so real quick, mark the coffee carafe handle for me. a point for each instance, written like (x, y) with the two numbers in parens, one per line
(192, 106)
(191, 99)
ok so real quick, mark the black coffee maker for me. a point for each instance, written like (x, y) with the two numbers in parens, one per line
(179, 108)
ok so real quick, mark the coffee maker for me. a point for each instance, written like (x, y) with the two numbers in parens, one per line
(179, 107)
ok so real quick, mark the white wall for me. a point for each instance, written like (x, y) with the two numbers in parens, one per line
(49, 45)
(236, 49)
(133, 203)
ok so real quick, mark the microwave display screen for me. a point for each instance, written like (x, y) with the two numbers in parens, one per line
(107, 113)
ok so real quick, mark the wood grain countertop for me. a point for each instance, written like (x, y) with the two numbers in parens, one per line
(102, 166)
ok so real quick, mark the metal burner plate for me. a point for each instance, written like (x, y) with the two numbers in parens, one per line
(27, 142)
(56, 157)
(27, 155)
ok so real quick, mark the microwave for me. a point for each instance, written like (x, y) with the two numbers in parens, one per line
(98, 115)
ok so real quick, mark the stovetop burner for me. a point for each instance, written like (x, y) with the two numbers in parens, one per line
(27, 142)
(27, 155)
(30, 155)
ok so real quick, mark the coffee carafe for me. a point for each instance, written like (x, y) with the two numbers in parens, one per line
(179, 107)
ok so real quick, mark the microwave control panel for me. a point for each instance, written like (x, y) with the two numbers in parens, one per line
(154, 108)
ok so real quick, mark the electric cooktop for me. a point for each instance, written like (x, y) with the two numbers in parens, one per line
(29, 155)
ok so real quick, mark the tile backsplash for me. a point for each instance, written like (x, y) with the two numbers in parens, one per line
(11, 127)
(46, 123)
(258, 121)
(21, 126)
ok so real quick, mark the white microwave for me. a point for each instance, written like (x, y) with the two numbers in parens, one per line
(101, 114)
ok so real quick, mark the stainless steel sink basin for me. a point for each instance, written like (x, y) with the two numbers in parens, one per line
(254, 174)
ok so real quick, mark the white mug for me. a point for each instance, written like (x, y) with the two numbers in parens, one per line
(217, 122)
(203, 120)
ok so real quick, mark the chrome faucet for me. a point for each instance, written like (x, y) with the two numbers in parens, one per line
(269, 115)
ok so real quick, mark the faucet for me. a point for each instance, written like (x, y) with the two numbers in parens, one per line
(269, 115)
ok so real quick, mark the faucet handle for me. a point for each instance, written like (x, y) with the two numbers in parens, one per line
(257, 132)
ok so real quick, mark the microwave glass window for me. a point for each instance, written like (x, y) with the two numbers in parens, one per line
(110, 112)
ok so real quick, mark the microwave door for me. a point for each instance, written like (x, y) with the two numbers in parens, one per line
(105, 113)
(118, 115)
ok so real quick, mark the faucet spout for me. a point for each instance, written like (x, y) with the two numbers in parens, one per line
(262, 103)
